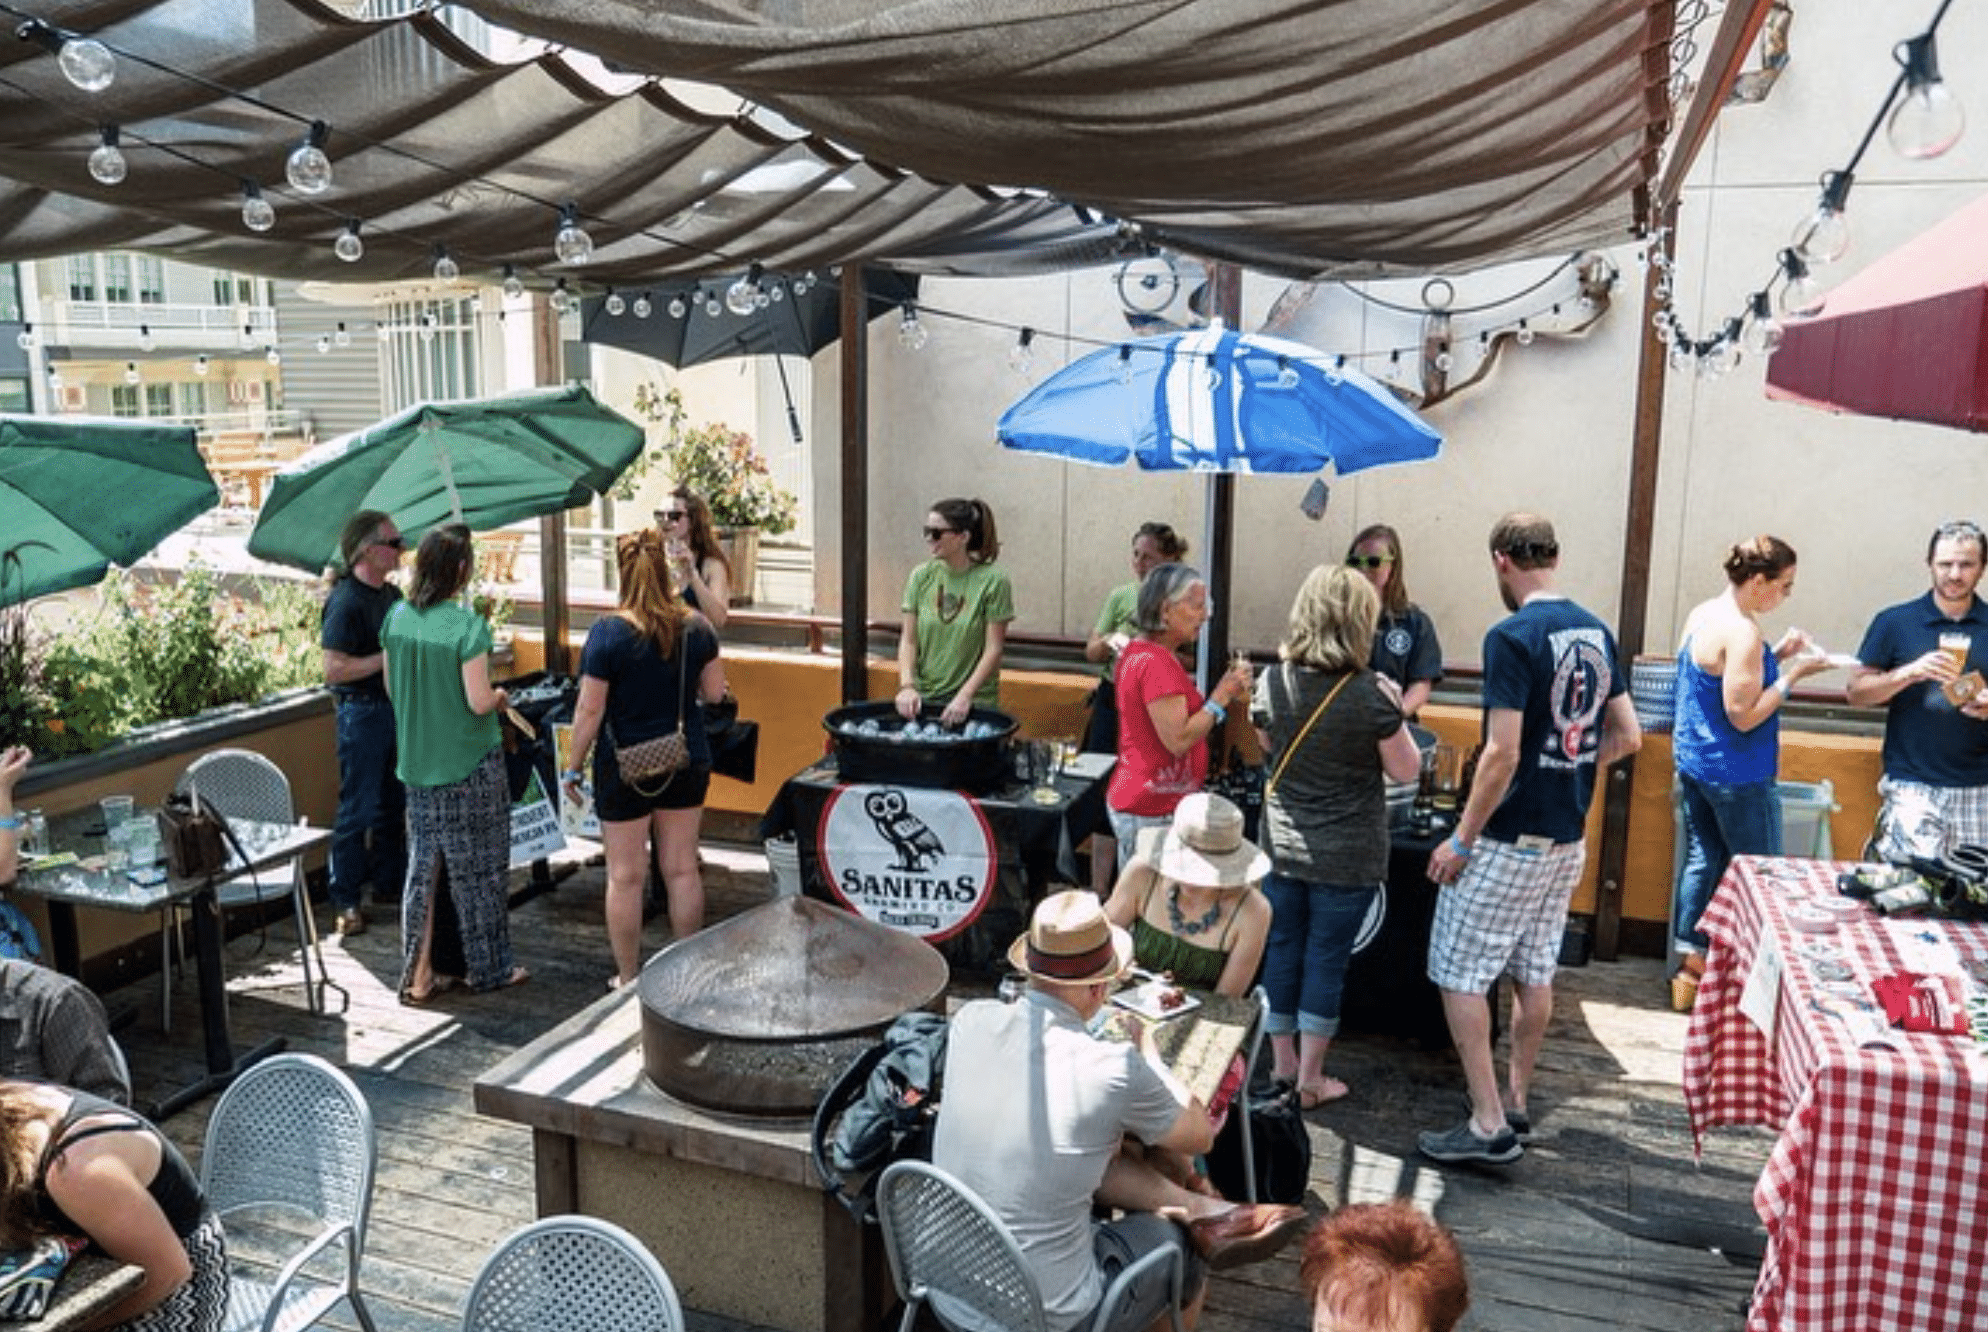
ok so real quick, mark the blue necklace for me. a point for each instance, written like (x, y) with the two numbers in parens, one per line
(1182, 925)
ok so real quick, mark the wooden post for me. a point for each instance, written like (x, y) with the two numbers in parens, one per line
(547, 370)
(1633, 612)
(855, 485)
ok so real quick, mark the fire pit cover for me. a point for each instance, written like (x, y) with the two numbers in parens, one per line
(758, 1014)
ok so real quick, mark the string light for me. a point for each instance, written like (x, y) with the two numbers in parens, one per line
(643, 306)
(616, 304)
(744, 295)
(1122, 372)
(257, 212)
(107, 164)
(146, 342)
(560, 300)
(1020, 358)
(307, 168)
(274, 356)
(514, 286)
(200, 365)
(1802, 295)
(1823, 236)
(447, 271)
(84, 61)
(911, 334)
(340, 337)
(1928, 119)
(348, 246)
(677, 308)
(713, 307)
(25, 339)
(131, 375)
(571, 243)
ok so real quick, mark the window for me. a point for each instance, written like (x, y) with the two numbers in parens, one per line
(193, 400)
(82, 277)
(10, 293)
(151, 280)
(124, 399)
(435, 362)
(234, 289)
(117, 278)
(158, 399)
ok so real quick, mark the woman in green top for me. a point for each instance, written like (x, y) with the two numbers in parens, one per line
(957, 606)
(1189, 897)
(452, 764)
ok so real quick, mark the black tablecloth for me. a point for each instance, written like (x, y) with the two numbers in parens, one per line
(1032, 846)
(1387, 984)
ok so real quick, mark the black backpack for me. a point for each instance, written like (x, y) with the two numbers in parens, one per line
(881, 1109)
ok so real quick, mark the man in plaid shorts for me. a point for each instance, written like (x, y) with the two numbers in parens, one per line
(1935, 785)
(1555, 713)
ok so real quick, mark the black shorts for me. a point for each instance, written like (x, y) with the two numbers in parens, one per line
(615, 801)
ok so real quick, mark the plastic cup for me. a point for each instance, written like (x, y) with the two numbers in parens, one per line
(1956, 646)
(117, 810)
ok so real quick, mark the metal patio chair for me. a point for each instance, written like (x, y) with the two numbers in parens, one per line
(948, 1250)
(572, 1274)
(288, 1164)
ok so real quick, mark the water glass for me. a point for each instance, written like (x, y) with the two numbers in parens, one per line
(117, 849)
(117, 810)
(34, 838)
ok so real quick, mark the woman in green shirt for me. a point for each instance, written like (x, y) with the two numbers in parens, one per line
(452, 764)
(957, 606)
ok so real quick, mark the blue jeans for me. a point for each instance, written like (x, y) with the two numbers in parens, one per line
(371, 806)
(1720, 822)
(1312, 929)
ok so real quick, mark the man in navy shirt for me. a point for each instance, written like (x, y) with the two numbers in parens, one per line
(1935, 785)
(1555, 713)
(369, 840)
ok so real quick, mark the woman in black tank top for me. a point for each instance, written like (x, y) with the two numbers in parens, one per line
(74, 1164)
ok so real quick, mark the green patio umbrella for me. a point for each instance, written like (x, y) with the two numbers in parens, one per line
(486, 462)
(81, 493)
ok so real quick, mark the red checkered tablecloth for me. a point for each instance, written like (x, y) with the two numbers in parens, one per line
(1875, 1198)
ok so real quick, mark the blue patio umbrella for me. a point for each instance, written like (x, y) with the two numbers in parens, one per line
(1212, 400)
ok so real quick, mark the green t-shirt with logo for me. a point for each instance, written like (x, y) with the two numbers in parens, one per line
(440, 741)
(1119, 616)
(953, 613)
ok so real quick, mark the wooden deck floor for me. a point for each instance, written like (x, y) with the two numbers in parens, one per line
(1607, 1222)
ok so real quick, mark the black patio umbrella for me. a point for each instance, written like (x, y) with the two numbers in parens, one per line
(689, 324)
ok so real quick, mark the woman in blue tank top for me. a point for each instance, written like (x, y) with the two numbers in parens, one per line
(1730, 688)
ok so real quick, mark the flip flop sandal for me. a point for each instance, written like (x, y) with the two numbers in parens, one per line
(1311, 1098)
(440, 986)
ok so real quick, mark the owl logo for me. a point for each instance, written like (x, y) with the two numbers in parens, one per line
(914, 843)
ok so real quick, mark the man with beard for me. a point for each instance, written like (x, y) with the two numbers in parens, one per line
(1935, 784)
(1555, 712)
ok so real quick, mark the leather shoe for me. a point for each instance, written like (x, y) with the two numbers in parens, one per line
(350, 923)
(1246, 1233)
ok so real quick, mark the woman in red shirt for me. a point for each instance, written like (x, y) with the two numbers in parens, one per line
(1163, 720)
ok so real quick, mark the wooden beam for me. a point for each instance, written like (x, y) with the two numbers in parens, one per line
(855, 485)
(1218, 506)
(1632, 617)
(556, 615)
(1738, 31)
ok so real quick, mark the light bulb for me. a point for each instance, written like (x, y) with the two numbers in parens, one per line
(1681, 356)
(258, 214)
(713, 306)
(677, 308)
(87, 63)
(616, 304)
(107, 164)
(571, 243)
(425, 330)
(131, 375)
(307, 169)
(1761, 336)
(643, 306)
(1926, 122)
(447, 270)
(25, 339)
(760, 300)
(775, 293)
(146, 342)
(1665, 334)
(324, 344)
(476, 302)
(1802, 296)
(273, 356)
(1928, 119)
(514, 286)
(1822, 236)
(560, 300)
(1525, 334)
(54, 379)
(200, 365)
(911, 334)
(1122, 372)
(1021, 359)
(741, 296)
(340, 337)
(384, 332)
(348, 246)
(1725, 356)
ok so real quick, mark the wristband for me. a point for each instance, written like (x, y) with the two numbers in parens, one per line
(907, 689)
(1458, 849)
(1217, 711)
(1782, 687)
(13, 822)
(570, 775)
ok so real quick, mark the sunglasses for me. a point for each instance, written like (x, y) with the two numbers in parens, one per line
(1368, 561)
(669, 515)
(392, 543)
(934, 533)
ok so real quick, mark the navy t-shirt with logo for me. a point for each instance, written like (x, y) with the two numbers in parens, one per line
(1406, 649)
(1556, 664)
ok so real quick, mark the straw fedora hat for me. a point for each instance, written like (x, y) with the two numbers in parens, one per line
(1205, 846)
(1070, 942)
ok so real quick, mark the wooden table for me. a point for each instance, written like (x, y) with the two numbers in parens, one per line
(732, 1206)
(92, 1283)
(88, 884)
(253, 473)
(1874, 1198)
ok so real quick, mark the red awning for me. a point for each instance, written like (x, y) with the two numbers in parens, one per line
(1907, 338)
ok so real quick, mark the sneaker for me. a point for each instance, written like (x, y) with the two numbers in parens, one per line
(351, 923)
(1519, 1120)
(1462, 1144)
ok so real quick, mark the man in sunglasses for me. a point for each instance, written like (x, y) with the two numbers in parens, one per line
(369, 840)
(1556, 712)
(1913, 663)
